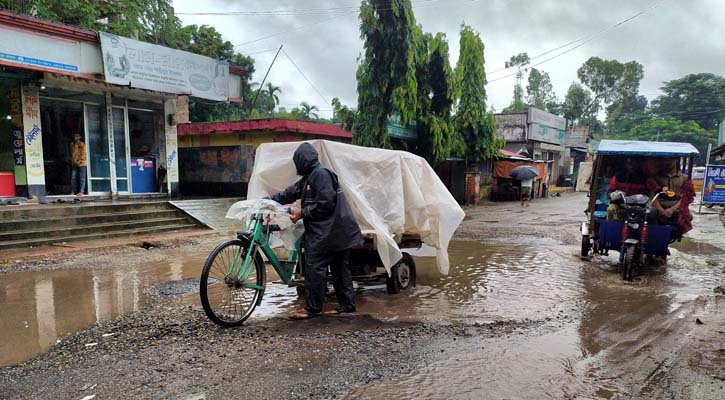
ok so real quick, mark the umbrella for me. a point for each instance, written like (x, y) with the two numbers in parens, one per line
(524, 172)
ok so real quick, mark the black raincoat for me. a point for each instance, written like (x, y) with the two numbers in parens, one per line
(329, 223)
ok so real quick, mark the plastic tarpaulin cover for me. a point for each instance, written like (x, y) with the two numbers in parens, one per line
(502, 169)
(390, 192)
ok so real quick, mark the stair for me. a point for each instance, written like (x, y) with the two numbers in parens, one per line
(36, 225)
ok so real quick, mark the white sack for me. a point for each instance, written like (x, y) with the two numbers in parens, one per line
(246, 209)
(390, 192)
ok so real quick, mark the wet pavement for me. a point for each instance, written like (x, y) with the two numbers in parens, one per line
(598, 337)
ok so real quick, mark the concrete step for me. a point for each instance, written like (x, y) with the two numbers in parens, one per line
(35, 223)
(108, 234)
(63, 231)
(67, 210)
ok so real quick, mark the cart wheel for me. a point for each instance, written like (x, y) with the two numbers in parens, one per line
(586, 245)
(709, 205)
(402, 275)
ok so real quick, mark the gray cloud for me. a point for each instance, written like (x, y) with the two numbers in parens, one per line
(676, 38)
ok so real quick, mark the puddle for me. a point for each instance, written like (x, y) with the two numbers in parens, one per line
(39, 308)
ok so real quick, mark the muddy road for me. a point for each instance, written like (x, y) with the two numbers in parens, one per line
(519, 316)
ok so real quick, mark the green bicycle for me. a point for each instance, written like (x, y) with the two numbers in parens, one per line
(234, 276)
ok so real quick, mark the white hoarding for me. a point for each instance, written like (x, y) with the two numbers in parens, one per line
(148, 66)
(41, 52)
(541, 117)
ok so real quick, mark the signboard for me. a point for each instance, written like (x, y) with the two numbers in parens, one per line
(38, 51)
(713, 190)
(544, 133)
(33, 139)
(541, 117)
(396, 129)
(148, 66)
(511, 127)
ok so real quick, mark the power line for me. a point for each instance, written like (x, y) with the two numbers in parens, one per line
(262, 51)
(338, 15)
(317, 11)
(583, 40)
(305, 76)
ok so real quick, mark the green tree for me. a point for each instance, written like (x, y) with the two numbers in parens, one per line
(476, 125)
(540, 91)
(695, 97)
(343, 115)
(518, 61)
(669, 129)
(308, 112)
(576, 107)
(271, 91)
(386, 77)
(609, 81)
(437, 138)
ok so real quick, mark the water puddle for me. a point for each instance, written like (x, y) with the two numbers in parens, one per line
(39, 308)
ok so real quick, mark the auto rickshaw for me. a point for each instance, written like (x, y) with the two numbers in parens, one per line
(635, 237)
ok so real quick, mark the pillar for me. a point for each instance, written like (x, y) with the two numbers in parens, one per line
(172, 147)
(33, 141)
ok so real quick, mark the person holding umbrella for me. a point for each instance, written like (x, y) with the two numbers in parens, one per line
(525, 174)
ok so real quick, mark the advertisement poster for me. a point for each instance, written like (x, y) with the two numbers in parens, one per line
(714, 186)
(33, 136)
(148, 66)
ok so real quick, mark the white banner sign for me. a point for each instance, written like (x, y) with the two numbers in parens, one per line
(541, 117)
(39, 52)
(148, 66)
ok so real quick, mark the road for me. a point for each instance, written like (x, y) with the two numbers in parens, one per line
(521, 315)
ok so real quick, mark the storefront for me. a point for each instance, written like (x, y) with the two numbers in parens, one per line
(118, 94)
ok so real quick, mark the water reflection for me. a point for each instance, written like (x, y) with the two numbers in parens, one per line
(38, 308)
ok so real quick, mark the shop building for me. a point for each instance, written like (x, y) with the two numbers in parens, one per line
(216, 158)
(538, 135)
(121, 95)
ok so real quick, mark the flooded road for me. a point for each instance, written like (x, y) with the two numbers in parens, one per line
(578, 330)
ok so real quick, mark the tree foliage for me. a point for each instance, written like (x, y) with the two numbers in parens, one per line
(540, 91)
(576, 106)
(308, 112)
(518, 61)
(695, 97)
(609, 81)
(669, 129)
(386, 77)
(437, 139)
(474, 123)
(343, 115)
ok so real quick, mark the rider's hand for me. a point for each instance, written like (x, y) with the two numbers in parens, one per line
(295, 214)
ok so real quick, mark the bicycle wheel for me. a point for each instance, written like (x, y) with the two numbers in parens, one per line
(228, 300)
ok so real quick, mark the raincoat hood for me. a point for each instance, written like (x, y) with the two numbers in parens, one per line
(305, 159)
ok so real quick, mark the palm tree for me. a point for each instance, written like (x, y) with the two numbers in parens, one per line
(308, 111)
(272, 91)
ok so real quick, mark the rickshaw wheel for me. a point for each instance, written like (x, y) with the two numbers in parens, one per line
(628, 263)
(586, 245)
(402, 275)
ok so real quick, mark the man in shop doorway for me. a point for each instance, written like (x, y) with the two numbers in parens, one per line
(78, 173)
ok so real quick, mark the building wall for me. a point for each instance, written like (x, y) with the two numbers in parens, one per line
(512, 127)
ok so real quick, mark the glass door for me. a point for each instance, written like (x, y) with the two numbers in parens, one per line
(99, 169)
(120, 144)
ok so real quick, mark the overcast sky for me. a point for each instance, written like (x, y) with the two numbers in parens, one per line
(671, 39)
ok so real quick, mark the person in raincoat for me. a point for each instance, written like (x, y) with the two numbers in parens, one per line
(330, 232)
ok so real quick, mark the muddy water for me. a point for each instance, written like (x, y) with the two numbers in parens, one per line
(601, 334)
(39, 308)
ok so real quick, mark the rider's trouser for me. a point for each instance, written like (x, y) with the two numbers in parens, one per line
(316, 279)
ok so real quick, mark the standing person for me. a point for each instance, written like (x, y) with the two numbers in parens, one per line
(330, 232)
(78, 173)
(526, 186)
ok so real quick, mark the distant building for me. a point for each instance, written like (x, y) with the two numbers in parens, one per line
(539, 135)
(216, 158)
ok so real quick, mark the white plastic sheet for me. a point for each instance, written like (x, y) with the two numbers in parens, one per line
(279, 215)
(390, 192)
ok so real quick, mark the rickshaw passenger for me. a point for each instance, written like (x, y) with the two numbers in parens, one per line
(674, 210)
(631, 182)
